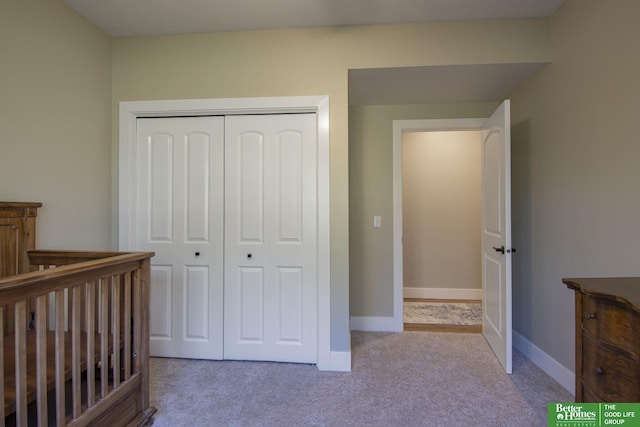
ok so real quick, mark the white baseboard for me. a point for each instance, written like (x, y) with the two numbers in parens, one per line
(374, 324)
(548, 364)
(442, 293)
(340, 361)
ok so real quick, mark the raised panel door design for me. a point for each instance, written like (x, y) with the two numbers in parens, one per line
(492, 297)
(251, 186)
(179, 216)
(496, 234)
(273, 159)
(289, 186)
(159, 182)
(493, 176)
(251, 305)
(197, 153)
(161, 300)
(290, 301)
(230, 202)
(196, 297)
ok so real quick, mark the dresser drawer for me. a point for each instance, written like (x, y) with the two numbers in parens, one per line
(588, 396)
(607, 322)
(609, 376)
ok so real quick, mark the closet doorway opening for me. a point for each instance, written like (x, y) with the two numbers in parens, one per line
(131, 111)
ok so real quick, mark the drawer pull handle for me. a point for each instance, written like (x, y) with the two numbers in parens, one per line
(591, 315)
(599, 372)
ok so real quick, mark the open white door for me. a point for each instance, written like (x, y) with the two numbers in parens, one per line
(496, 233)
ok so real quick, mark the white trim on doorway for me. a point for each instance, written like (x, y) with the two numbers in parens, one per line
(130, 111)
(399, 127)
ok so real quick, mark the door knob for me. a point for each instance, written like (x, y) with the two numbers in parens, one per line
(249, 256)
(197, 253)
(500, 249)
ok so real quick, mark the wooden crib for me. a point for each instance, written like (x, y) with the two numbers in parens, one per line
(74, 331)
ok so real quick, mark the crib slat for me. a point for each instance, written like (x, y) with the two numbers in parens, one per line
(137, 309)
(91, 343)
(2, 415)
(127, 326)
(60, 358)
(20, 331)
(145, 326)
(115, 314)
(56, 357)
(104, 337)
(76, 315)
(41, 359)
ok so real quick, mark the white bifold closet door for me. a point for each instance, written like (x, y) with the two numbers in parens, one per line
(229, 206)
(179, 215)
(270, 310)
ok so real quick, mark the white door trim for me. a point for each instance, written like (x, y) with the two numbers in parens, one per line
(131, 110)
(399, 127)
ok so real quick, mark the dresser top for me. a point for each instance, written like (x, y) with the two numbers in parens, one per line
(19, 205)
(623, 289)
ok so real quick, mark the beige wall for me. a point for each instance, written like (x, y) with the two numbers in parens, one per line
(55, 117)
(575, 160)
(441, 209)
(312, 62)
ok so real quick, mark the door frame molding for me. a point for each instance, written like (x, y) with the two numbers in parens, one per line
(400, 127)
(130, 111)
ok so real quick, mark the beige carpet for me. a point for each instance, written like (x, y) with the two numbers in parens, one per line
(398, 379)
(442, 313)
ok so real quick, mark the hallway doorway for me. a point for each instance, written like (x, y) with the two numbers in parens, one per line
(442, 219)
(496, 221)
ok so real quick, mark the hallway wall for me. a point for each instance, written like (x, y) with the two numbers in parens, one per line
(441, 209)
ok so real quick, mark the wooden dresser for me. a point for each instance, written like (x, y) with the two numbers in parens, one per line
(17, 236)
(607, 339)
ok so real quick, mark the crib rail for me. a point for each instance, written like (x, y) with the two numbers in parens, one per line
(76, 344)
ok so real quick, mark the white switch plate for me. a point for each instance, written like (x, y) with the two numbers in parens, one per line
(377, 221)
